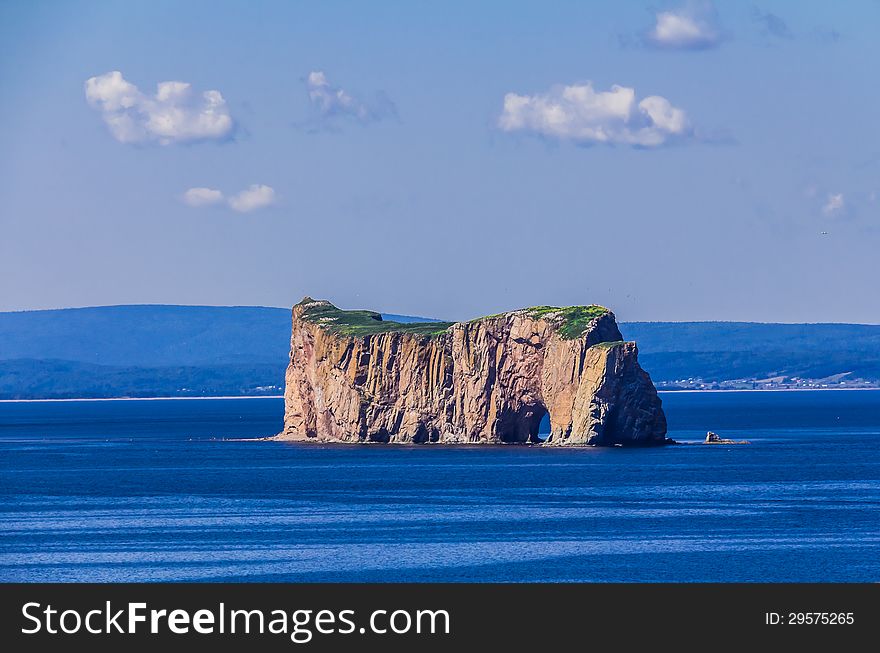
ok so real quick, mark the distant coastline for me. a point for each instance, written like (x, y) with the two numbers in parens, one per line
(731, 390)
(708, 391)
(144, 351)
(24, 401)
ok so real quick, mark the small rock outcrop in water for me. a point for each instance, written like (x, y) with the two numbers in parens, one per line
(714, 438)
(356, 378)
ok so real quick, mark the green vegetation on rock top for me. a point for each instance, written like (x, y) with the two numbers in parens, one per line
(571, 321)
(363, 323)
(609, 345)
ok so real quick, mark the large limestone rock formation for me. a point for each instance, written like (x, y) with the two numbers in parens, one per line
(355, 378)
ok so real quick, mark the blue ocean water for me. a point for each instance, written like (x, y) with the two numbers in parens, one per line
(161, 491)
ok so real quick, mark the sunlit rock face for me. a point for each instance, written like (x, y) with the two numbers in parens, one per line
(355, 378)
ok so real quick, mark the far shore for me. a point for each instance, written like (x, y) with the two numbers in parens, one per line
(669, 392)
(24, 401)
(672, 392)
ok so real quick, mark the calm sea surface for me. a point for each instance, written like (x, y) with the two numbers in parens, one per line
(151, 491)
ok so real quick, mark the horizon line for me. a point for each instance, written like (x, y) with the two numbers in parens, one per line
(281, 308)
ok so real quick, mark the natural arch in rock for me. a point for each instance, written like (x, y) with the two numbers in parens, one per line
(522, 426)
(545, 426)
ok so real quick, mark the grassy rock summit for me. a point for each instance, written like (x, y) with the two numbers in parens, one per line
(354, 377)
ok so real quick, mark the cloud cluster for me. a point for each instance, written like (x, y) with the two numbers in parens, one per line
(835, 205)
(583, 115)
(332, 101)
(174, 114)
(202, 196)
(256, 196)
(692, 27)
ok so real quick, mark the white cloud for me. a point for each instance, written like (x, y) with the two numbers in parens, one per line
(581, 114)
(255, 197)
(332, 101)
(174, 114)
(834, 205)
(202, 196)
(691, 27)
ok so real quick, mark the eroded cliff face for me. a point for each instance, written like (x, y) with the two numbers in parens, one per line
(353, 378)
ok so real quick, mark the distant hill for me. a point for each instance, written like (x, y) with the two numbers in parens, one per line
(717, 351)
(145, 335)
(155, 350)
(24, 378)
(751, 336)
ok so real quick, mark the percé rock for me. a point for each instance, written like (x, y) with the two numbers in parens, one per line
(356, 378)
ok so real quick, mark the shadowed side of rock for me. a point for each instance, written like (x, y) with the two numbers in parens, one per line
(621, 405)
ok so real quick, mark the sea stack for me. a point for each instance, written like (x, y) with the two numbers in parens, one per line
(356, 378)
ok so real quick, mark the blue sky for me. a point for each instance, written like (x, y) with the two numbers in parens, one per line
(675, 161)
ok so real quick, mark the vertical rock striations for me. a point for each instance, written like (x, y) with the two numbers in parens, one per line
(355, 378)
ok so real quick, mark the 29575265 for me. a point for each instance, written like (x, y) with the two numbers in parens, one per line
(809, 618)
